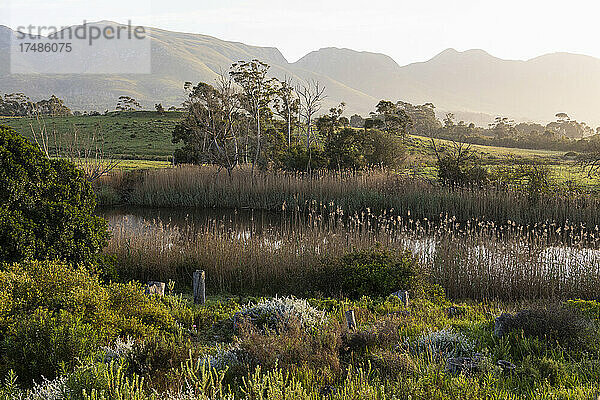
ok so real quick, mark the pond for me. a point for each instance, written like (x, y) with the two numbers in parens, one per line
(457, 256)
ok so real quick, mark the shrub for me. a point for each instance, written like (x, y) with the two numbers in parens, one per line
(459, 166)
(562, 324)
(374, 272)
(445, 343)
(46, 206)
(51, 315)
(157, 355)
(383, 333)
(293, 348)
(392, 364)
(277, 313)
(39, 344)
(297, 158)
(227, 357)
(589, 308)
(534, 370)
(385, 149)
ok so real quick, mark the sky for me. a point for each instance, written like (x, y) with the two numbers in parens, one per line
(408, 31)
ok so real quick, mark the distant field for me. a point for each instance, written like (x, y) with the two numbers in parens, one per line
(143, 140)
(146, 135)
(495, 151)
(143, 135)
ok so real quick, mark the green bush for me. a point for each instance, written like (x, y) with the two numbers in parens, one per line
(46, 206)
(589, 308)
(565, 325)
(51, 315)
(375, 273)
(297, 158)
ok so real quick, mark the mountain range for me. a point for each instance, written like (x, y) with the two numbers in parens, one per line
(472, 84)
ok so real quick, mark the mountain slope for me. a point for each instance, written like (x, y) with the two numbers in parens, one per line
(468, 83)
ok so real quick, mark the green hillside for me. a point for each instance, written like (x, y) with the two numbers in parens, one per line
(142, 135)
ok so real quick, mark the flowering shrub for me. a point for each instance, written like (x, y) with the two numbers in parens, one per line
(226, 357)
(55, 389)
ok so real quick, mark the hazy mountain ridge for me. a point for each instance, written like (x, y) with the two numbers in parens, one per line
(471, 82)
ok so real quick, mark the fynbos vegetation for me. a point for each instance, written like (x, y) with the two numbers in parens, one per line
(362, 272)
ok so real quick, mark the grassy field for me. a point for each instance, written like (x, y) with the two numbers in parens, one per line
(496, 151)
(143, 135)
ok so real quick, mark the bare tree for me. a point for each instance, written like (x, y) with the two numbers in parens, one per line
(590, 163)
(311, 97)
(86, 150)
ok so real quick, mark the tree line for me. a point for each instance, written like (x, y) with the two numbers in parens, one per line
(19, 105)
(249, 117)
(563, 134)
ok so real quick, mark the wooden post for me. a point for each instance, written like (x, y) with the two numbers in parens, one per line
(199, 287)
(403, 296)
(157, 288)
(350, 320)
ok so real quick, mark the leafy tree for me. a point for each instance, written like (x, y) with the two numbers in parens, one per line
(46, 206)
(356, 121)
(422, 117)
(345, 149)
(328, 123)
(127, 103)
(296, 158)
(210, 132)
(159, 108)
(384, 149)
(390, 118)
(15, 105)
(502, 127)
(286, 105)
(53, 107)
(569, 128)
(258, 91)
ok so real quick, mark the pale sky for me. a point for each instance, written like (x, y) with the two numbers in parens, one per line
(408, 31)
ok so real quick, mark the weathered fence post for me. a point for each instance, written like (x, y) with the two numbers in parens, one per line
(199, 287)
(350, 320)
(157, 288)
(403, 296)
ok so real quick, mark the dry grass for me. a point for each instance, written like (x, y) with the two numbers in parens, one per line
(206, 187)
(479, 260)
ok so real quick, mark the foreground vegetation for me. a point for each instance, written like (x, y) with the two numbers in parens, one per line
(111, 341)
(469, 276)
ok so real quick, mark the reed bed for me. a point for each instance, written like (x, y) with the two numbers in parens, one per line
(476, 260)
(378, 190)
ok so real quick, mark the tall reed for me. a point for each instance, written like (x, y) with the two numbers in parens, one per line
(207, 187)
(477, 259)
